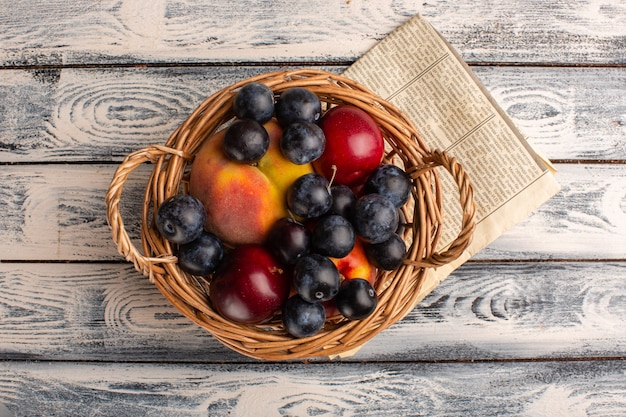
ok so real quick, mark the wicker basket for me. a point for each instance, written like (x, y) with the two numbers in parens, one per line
(398, 290)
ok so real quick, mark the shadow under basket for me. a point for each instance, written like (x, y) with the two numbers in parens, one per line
(398, 291)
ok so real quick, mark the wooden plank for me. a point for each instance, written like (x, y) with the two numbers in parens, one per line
(91, 33)
(516, 310)
(594, 388)
(103, 114)
(567, 113)
(100, 114)
(57, 212)
(93, 311)
(481, 312)
(592, 227)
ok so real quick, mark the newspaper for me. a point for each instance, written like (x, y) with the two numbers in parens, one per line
(415, 69)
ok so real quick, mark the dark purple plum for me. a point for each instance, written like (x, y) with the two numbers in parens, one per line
(356, 299)
(309, 197)
(254, 101)
(302, 318)
(392, 182)
(302, 142)
(315, 278)
(245, 141)
(288, 240)
(375, 218)
(181, 218)
(297, 104)
(202, 255)
(333, 236)
(387, 255)
(344, 200)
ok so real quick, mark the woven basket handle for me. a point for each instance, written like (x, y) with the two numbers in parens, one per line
(124, 244)
(466, 199)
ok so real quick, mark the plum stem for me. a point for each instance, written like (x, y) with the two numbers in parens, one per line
(332, 178)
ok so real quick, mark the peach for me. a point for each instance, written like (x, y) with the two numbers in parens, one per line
(356, 264)
(243, 201)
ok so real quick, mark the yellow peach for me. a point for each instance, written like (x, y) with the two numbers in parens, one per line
(243, 201)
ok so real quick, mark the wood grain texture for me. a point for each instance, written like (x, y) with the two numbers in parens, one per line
(95, 311)
(567, 113)
(121, 32)
(527, 310)
(57, 212)
(104, 114)
(594, 388)
(506, 311)
(532, 326)
(570, 223)
(100, 114)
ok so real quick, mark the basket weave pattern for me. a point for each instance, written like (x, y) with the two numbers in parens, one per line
(397, 290)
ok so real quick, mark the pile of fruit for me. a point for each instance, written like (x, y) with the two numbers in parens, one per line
(290, 211)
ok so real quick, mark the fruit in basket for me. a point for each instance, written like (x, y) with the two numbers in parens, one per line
(297, 104)
(333, 235)
(202, 255)
(302, 142)
(248, 182)
(309, 196)
(280, 171)
(302, 318)
(243, 201)
(180, 218)
(316, 278)
(356, 264)
(344, 200)
(288, 240)
(212, 116)
(245, 141)
(375, 218)
(249, 286)
(354, 145)
(254, 101)
(356, 299)
(387, 255)
(391, 181)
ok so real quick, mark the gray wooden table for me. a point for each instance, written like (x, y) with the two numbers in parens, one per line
(532, 325)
